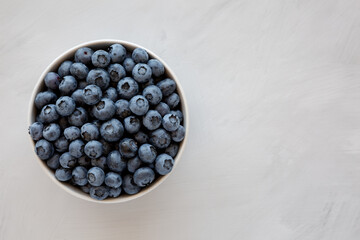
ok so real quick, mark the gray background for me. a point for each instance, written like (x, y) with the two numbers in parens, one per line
(273, 94)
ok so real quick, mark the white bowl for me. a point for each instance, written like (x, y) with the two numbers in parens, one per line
(40, 86)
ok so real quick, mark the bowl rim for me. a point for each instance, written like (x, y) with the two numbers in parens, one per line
(32, 110)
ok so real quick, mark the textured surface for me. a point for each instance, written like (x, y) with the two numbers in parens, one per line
(273, 93)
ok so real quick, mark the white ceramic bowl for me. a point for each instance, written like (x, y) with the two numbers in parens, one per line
(104, 44)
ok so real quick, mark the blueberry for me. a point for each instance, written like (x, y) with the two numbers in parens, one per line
(144, 176)
(132, 124)
(95, 176)
(114, 192)
(64, 68)
(128, 148)
(79, 176)
(133, 164)
(79, 117)
(117, 53)
(150, 82)
(172, 149)
(129, 186)
(51, 132)
(76, 148)
(153, 94)
(100, 58)
(179, 114)
(67, 161)
(115, 162)
(99, 162)
(92, 94)
(111, 94)
(157, 67)
(97, 123)
(167, 86)
(147, 153)
(67, 85)
(141, 72)
(117, 72)
(99, 77)
(78, 96)
(129, 64)
(112, 130)
(162, 108)
(122, 108)
(127, 88)
(72, 133)
(79, 70)
(35, 130)
(93, 149)
(86, 188)
(83, 55)
(160, 138)
(52, 80)
(140, 55)
(113, 180)
(164, 164)
(44, 98)
(82, 84)
(65, 106)
(179, 134)
(141, 137)
(104, 110)
(99, 193)
(173, 100)
(152, 120)
(139, 105)
(48, 113)
(53, 162)
(62, 174)
(108, 147)
(170, 122)
(89, 132)
(61, 144)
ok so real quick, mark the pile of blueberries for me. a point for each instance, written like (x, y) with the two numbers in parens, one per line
(109, 121)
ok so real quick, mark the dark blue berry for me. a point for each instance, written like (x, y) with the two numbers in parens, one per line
(83, 55)
(129, 186)
(53, 162)
(35, 130)
(179, 134)
(51, 132)
(104, 109)
(157, 67)
(115, 162)
(112, 130)
(117, 53)
(44, 98)
(144, 176)
(92, 94)
(79, 176)
(152, 120)
(99, 193)
(78, 97)
(65, 106)
(111, 94)
(100, 59)
(164, 164)
(99, 77)
(67, 161)
(95, 176)
(113, 180)
(173, 100)
(89, 132)
(99, 162)
(93, 149)
(127, 88)
(129, 64)
(64, 68)
(117, 72)
(72, 133)
(114, 192)
(147, 153)
(76, 148)
(141, 137)
(79, 117)
(61, 144)
(170, 122)
(122, 108)
(153, 94)
(48, 113)
(62, 174)
(133, 164)
(172, 149)
(128, 148)
(52, 80)
(167, 86)
(141, 72)
(67, 85)
(140, 55)
(79, 70)
(162, 108)
(160, 138)
(139, 105)
(132, 124)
